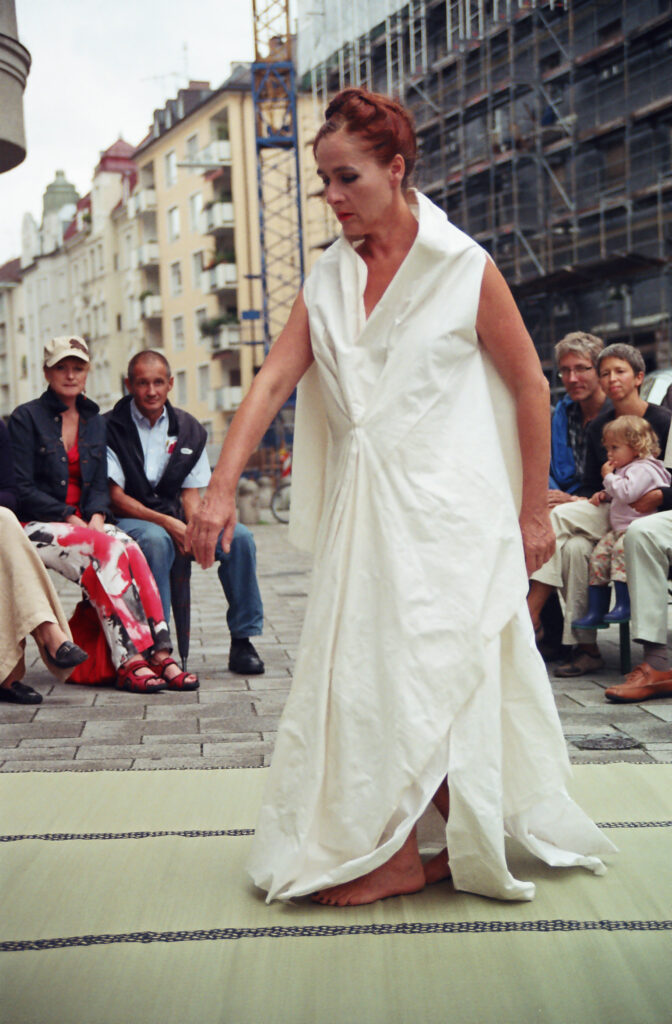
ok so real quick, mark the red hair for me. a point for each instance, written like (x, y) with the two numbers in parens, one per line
(384, 124)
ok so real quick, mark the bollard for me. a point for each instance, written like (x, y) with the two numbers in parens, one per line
(248, 502)
(265, 491)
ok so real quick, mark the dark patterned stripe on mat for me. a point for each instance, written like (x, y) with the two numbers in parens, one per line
(59, 837)
(334, 930)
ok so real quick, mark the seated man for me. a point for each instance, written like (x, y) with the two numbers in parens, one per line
(156, 463)
(576, 358)
(648, 556)
(578, 525)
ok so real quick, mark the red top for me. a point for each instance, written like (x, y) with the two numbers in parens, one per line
(74, 491)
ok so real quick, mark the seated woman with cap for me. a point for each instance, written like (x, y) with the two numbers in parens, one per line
(28, 601)
(59, 449)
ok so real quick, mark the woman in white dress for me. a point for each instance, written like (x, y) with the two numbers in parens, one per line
(417, 683)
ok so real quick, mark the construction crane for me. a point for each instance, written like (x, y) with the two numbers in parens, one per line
(278, 178)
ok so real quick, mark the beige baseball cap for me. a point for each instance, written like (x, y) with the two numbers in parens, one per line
(66, 345)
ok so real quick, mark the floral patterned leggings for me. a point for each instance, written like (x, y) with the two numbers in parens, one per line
(607, 561)
(112, 571)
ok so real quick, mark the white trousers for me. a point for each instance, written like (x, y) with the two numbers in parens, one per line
(578, 526)
(648, 555)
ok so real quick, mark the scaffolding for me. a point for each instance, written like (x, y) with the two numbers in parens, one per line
(546, 133)
(278, 180)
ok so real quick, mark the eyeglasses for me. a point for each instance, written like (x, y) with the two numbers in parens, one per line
(579, 371)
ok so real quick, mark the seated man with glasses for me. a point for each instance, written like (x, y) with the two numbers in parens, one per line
(576, 358)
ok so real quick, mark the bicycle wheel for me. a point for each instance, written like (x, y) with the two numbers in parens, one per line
(280, 502)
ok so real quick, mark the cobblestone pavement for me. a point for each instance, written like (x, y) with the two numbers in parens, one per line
(231, 721)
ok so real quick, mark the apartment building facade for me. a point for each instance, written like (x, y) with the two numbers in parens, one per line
(93, 244)
(195, 208)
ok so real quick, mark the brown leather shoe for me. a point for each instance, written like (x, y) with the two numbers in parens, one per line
(643, 683)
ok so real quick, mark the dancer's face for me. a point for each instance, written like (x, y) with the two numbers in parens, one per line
(67, 378)
(361, 192)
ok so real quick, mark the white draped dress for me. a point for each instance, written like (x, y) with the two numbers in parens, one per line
(417, 659)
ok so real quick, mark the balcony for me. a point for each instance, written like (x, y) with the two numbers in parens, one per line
(216, 218)
(141, 202)
(147, 255)
(227, 399)
(150, 307)
(227, 337)
(216, 154)
(219, 278)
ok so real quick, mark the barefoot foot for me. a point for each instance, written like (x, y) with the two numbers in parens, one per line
(400, 875)
(437, 869)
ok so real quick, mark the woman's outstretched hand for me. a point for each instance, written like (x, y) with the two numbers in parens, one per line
(216, 514)
(538, 539)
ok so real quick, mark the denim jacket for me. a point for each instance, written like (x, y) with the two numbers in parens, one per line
(41, 462)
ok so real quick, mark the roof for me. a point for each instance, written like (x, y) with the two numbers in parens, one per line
(240, 80)
(10, 272)
(118, 158)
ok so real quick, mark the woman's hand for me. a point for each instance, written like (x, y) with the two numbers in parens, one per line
(649, 502)
(74, 520)
(97, 522)
(538, 539)
(216, 514)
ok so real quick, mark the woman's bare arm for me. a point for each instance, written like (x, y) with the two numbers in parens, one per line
(286, 363)
(503, 333)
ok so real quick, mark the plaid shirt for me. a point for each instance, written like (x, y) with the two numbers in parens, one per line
(577, 438)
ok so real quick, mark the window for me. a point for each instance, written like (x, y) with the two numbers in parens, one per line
(192, 148)
(197, 267)
(201, 315)
(115, 261)
(101, 259)
(181, 387)
(195, 207)
(170, 162)
(175, 278)
(207, 426)
(173, 223)
(118, 321)
(178, 332)
(203, 382)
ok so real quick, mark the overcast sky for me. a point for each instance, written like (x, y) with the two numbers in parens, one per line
(98, 71)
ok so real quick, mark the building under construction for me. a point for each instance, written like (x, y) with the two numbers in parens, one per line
(546, 134)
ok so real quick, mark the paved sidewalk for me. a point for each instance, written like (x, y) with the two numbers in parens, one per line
(231, 721)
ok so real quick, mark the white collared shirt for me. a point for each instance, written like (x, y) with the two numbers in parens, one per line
(157, 445)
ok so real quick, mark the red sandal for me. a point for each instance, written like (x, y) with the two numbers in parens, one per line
(128, 679)
(178, 682)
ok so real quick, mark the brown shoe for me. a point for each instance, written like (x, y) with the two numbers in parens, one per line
(643, 683)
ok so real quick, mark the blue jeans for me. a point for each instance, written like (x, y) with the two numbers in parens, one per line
(237, 572)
